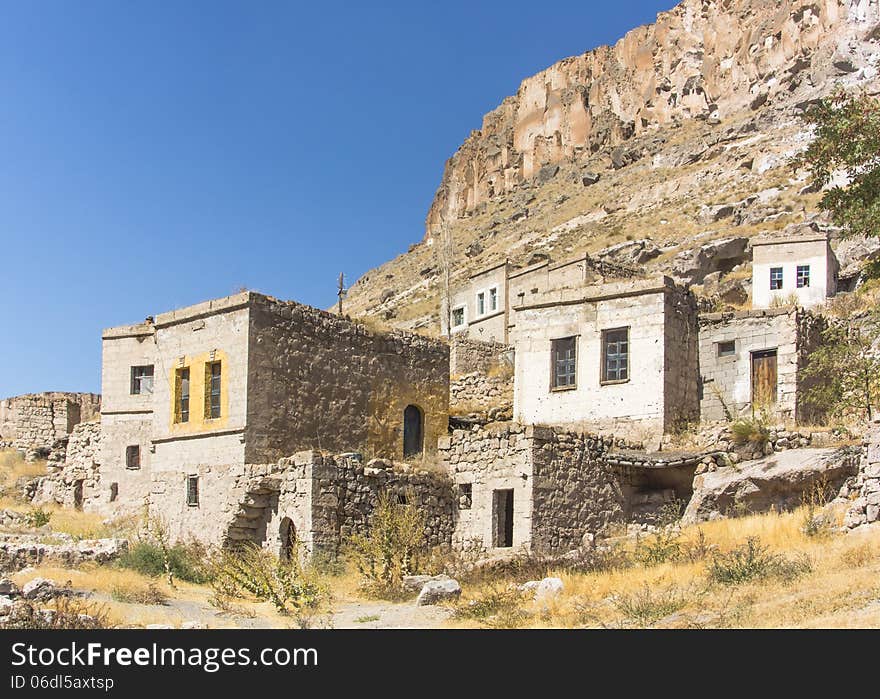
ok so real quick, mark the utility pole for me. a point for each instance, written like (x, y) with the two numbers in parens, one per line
(340, 292)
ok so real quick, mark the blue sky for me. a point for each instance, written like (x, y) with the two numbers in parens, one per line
(158, 154)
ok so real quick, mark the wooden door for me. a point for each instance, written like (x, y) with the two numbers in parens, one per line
(764, 379)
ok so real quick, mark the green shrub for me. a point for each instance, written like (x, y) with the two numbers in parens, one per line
(37, 517)
(186, 561)
(754, 561)
(252, 570)
(754, 430)
(393, 547)
(649, 605)
(662, 547)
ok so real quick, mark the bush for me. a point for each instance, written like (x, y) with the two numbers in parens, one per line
(647, 606)
(662, 547)
(37, 517)
(392, 548)
(754, 430)
(186, 561)
(138, 594)
(753, 561)
(250, 570)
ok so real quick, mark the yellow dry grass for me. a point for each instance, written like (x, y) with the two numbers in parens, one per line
(841, 590)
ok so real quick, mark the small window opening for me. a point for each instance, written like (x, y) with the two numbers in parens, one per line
(133, 457)
(803, 276)
(465, 496)
(564, 351)
(615, 355)
(141, 380)
(192, 491)
(727, 349)
(182, 395)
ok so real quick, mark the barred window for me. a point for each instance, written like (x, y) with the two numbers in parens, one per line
(192, 490)
(615, 354)
(803, 276)
(141, 379)
(775, 278)
(212, 390)
(564, 352)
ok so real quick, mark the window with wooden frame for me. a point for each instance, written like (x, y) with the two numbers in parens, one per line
(563, 353)
(133, 457)
(192, 491)
(212, 390)
(181, 395)
(615, 355)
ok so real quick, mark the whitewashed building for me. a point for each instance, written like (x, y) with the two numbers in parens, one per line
(793, 270)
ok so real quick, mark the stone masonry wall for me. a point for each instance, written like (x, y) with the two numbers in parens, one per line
(77, 482)
(681, 361)
(575, 493)
(864, 492)
(34, 422)
(468, 356)
(324, 498)
(321, 381)
(562, 489)
(476, 392)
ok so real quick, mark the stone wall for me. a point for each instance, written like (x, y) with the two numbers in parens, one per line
(478, 392)
(468, 356)
(77, 482)
(35, 422)
(864, 491)
(562, 489)
(321, 381)
(323, 498)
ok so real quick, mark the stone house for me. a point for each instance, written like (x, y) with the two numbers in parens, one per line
(754, 360)
(194, 394)
(795, 269)
(482, 306)
(620, 358)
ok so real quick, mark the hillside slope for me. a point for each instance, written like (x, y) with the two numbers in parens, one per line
(679, 135)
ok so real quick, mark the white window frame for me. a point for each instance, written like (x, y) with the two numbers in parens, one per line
(479, 313)
(463, 308)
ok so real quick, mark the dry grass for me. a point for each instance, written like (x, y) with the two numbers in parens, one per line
(14, 468)
(838, 591)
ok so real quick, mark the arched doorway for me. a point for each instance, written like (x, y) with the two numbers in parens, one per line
(287, 535)
(413, 432)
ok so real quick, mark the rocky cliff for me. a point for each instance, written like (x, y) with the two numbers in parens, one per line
(680, 132)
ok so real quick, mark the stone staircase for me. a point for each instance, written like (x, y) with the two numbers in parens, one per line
(255, 510)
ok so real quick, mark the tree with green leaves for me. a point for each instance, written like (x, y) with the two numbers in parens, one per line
(842, 376)
(847, 140)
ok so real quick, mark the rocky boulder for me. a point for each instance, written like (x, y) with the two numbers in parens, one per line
(435, 591)
(777, 481)
(692, 266)
(630, 253)
(543, 589)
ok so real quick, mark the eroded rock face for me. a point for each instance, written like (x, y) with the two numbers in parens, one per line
(778, 481)
(704, 59)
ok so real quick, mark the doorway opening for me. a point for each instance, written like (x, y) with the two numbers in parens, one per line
(413, 431)
(502, 518)
(287, 536)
